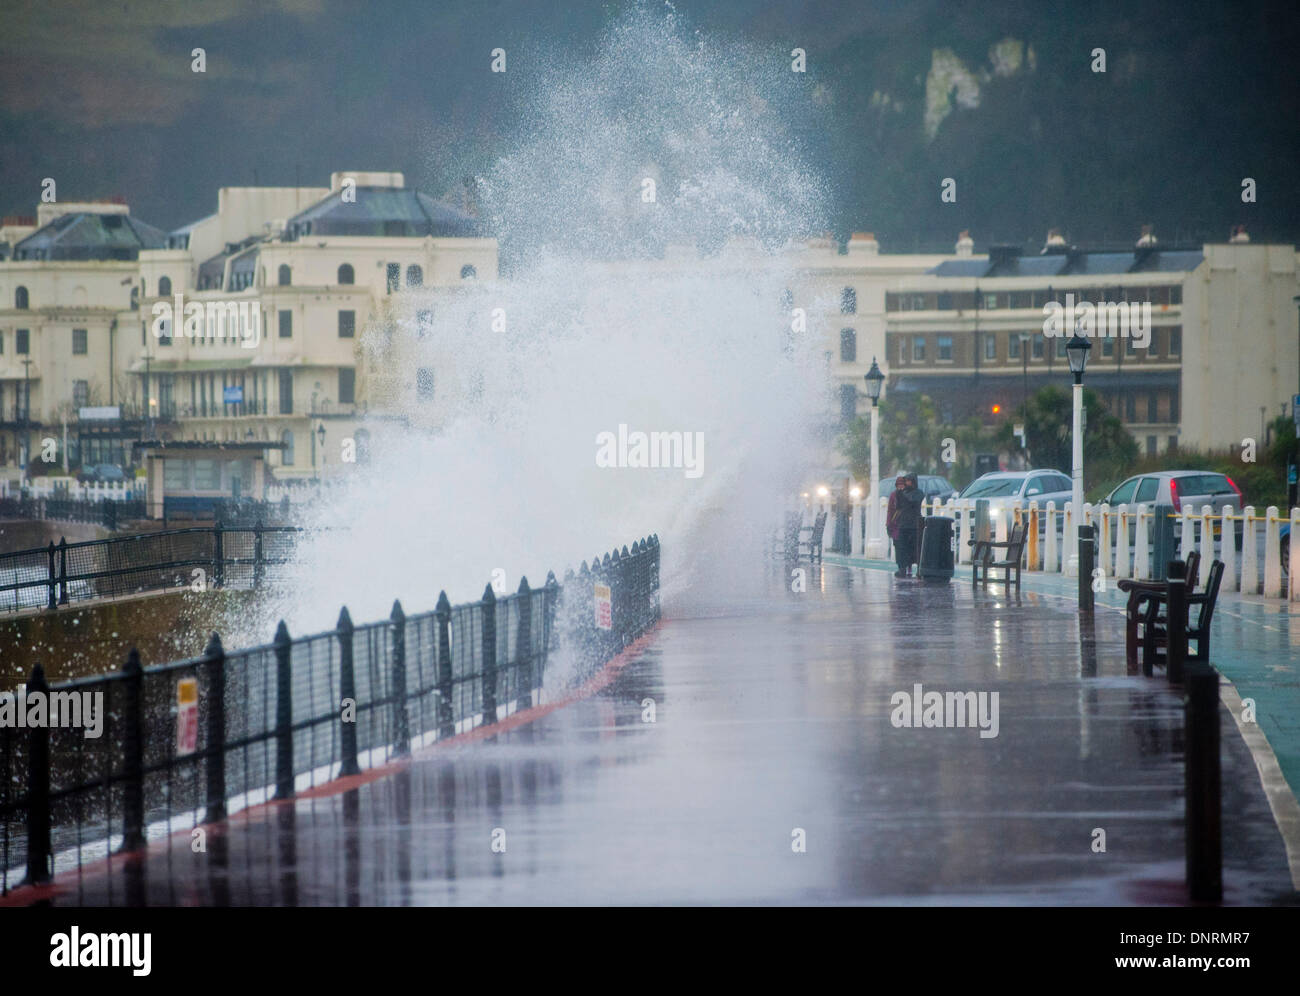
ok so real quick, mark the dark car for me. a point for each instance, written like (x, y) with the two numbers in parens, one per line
(101, 473)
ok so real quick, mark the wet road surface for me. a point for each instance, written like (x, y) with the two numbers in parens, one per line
(771, 730)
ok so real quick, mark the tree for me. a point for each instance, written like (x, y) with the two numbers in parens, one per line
(1049, 421)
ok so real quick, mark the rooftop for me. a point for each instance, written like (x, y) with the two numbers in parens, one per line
(85, 235)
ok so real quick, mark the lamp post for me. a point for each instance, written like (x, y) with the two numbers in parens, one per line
(320, 434)
(1077, 352)
(875, 542)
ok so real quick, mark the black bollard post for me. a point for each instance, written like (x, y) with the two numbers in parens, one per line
(347, 691)
(63, 571)
(39, 851)
(401, 725)
(133, 751)
(527, 663)
(53, 578)
(489, 607)
(216, 746)
(1204, 805)
(283, 713)
(1176, 620)
(1087, 562)
(446, 711)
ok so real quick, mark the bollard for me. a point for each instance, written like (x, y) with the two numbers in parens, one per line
(1165, 542)
(446, 714)
(63, 571)
(1176, 620)
(347, 690)
(524, 647)
(283, 713)
(489, 606)
(1204, 807)
(133, 754)
(216, 746)
(39, 853)
(1086, 564)
(401, 723)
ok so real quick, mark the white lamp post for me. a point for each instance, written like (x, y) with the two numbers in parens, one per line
(1077, 352)
(875, 542)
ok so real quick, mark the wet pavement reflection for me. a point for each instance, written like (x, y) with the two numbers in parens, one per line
(748, 756)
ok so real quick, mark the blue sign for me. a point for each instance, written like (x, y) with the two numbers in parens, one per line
(232, 395)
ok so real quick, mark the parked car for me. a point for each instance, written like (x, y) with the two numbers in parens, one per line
(931, 485)
(1196, 488)
(1005, 488)
(101, 473)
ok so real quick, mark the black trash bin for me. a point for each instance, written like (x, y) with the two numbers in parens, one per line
(936, 560)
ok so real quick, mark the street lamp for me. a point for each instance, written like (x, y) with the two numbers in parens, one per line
(1076, 351)
(875, 381)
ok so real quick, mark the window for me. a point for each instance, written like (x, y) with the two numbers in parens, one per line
(286, 324)
(1147, 489)
(1176, 341)
(990, 301)
(423, 324)
(164, 286)
(848, 301)
(943, 302)
(394, 276)
(285, 275)
(1176, 294)
(346, 276)
(944, 347)
(1131, 408)
(990, 346)
(1151, 445)
(1060, 347)
(1124, 493)
(176, 474)
(918, 302)
(1173, 405)
(22, 342)
(286, 392)
(286, 454)
(80, 343)
(848, 345)
(347, 385)
(1130, 347)
(1108, 346)
(1036, 344)
(165, 329)
(1013, 346)
(20, 299)
(414, 276)
(347, 324)
(207, 475)
(902, 349)
(1152, 407)
(848, 400)
(467, 272)
(424, 384)
(81, 393)
(918, 349)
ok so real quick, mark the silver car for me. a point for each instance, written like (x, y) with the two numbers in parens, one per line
(1193, 488)
(1005, 489)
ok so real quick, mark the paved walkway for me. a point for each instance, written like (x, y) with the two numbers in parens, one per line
(772, 725)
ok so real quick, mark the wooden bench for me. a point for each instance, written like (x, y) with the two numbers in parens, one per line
(811, 537)
(1155, 627)
(982, 559)
(1145, 596)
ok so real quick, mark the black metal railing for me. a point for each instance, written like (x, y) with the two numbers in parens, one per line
(105, 512)
(191, 741)
(214, 556)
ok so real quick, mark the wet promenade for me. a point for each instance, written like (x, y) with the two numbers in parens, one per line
(771, 773)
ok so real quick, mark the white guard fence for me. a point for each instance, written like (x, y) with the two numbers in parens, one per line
(1262, 562)
(71, 488)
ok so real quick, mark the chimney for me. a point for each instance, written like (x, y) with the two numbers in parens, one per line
(965, 244)
(864, 243)
(1147, 240)
(1239, 236)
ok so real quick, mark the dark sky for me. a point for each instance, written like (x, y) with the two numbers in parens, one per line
(1197, 96)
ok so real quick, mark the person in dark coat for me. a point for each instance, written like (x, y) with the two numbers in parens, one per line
(892, 513)
(910, 499)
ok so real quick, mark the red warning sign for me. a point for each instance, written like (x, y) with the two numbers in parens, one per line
(604, 608)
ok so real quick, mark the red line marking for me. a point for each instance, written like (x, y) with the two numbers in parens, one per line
(65, 882)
